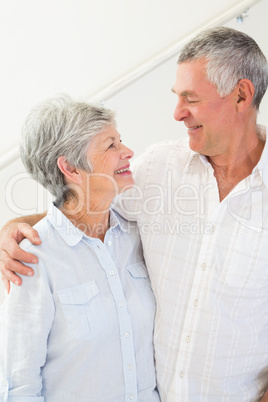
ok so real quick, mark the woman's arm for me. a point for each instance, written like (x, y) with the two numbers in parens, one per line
(10, 252)
(26, 317)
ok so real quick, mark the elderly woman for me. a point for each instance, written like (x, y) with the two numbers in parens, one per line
(81, 329)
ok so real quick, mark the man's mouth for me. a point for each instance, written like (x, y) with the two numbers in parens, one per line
(194, 128)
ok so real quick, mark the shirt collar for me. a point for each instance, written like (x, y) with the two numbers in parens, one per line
(117, 220)
(195, 156)
(70, 233)
(262, 165)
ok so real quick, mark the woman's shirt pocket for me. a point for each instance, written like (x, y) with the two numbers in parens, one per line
(83, 310)
(139, 275)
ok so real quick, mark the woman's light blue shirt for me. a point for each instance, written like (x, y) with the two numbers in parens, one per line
(81, 328)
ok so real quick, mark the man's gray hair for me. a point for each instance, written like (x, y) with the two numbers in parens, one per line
(232, 55)
(60, 127)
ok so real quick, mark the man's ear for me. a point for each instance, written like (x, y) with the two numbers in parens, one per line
(70, 173)
(244, 92)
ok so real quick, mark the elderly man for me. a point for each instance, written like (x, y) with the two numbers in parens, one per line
(202, 209)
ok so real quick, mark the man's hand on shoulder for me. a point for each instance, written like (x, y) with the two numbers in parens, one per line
(10, 252)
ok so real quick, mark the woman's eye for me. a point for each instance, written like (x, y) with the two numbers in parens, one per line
(113, 144)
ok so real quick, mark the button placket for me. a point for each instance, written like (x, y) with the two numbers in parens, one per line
(127, 342)
(192, 312)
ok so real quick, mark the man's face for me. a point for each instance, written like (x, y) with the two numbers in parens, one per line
(208, 117)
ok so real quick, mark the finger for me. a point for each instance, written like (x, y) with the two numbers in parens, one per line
(15, 252)
(30, 233)
(7, 265)
(10, 276)
(6, 284)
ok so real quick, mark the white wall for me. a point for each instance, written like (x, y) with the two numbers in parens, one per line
(144, 110)
(79, 47)
(82, 46)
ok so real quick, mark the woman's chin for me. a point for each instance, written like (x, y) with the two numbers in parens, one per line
(127, 186)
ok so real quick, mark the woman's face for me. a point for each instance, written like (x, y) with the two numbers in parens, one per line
(109, 162)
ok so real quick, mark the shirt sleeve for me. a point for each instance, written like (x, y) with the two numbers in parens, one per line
(26, 316)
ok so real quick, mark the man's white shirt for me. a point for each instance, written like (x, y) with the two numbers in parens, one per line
(208, 264)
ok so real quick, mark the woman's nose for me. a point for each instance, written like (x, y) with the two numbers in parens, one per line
(127, 153)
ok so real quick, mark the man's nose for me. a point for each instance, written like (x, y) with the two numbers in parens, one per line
(181, 111)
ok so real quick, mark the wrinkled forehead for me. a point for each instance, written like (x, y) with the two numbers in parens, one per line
(189, 75)
(109, 133)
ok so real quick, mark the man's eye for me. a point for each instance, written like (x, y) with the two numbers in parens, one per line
(192, 101)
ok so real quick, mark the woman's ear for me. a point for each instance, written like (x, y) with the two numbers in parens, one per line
(244, 93)
(70, 173)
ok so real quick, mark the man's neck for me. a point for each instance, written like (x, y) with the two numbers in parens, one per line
(229, 170)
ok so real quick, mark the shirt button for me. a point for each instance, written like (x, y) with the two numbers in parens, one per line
(131, 396)
(204, 266)
(181, 374)
(187, 339)
(112, 273)
(130, 367)
(121, 304)
(196, 303)
(109, 243)
(126, 334)
(4, 383)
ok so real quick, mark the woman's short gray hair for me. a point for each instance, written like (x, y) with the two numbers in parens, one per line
(232, 55)
(60, 127)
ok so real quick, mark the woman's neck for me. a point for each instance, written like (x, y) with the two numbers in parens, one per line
(92, 218)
